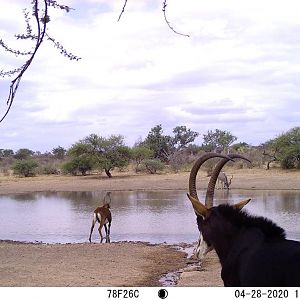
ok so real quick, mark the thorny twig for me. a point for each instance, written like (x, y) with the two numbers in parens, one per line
(165, 16)
(40, 36)
(41, 23)
(168, 23)
(123, 9)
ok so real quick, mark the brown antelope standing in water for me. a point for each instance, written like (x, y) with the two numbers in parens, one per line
(102, 215)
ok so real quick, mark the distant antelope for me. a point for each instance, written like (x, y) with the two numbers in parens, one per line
(102, 215)
(223, 180)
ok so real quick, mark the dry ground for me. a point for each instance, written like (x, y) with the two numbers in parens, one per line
(116, 264)
(242, 179)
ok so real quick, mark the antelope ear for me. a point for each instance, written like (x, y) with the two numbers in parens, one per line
(241, 204)
(199, 208)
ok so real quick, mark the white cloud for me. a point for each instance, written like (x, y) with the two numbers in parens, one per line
(238, 71)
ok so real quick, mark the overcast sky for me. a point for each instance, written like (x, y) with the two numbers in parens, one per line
(238, 71)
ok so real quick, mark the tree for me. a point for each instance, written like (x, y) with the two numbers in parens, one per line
(107, 153)
(183, 136)
(241, 147)
(78, 149)
(82, 160)
(285, 148)
(164, 145)
(25, 168)
(159, 143)
(291, 157)
(218, 140)
(6, 153)
(23, 153)
(59, 152)
(115, 154)
(82, 164)
(139, 154)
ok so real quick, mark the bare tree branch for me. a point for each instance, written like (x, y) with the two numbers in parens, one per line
(123, 9)
(41, 19)
(40, 36)
(165, 16)
(168, 23)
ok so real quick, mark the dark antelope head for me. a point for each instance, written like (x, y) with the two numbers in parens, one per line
(203, 211)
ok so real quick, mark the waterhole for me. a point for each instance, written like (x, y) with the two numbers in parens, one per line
(155, 217)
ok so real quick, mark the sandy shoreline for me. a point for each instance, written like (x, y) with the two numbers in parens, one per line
(120, 263)
(123, 264)
(115, 264)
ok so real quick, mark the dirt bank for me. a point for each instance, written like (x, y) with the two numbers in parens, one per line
(257, 179)
(115, 264)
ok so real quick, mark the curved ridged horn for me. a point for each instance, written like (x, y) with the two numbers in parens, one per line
(214, 176)
(199, 208)
(199, 162)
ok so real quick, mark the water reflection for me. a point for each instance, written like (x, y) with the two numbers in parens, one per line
(158, 216)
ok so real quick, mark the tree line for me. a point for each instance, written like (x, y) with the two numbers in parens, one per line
(153, 154)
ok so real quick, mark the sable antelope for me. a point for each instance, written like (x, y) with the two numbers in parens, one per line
(253, 251)
(102, 215)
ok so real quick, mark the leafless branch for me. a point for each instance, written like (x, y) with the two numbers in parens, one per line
(40, 36)
(165, 16)
(123, 9)
(41, 19)
(168, 23)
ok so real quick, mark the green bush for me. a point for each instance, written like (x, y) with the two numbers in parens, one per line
(82, 164)
(291, 157)
(25, 168)
(50, 170)
(285, 149)
(69, 167)
(153, 165)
